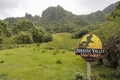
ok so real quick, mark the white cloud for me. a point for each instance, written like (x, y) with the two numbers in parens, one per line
(14, 8)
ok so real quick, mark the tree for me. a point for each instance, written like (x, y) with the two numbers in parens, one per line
(39, 35)
(24, 38)
(47, 37)
(80, 33)
(113, 50)
(23, 25)
(115, 14)
(3, 28)
(1, 39)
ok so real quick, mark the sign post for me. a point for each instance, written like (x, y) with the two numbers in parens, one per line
(90, 49)
(88, 70)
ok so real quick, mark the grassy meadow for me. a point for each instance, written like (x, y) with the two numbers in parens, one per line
(54, 60)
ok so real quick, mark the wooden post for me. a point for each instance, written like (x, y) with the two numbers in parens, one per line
(88, 71)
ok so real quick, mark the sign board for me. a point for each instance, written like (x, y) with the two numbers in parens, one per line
(90, 48)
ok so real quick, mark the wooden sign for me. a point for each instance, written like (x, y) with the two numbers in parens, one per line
(90, 48)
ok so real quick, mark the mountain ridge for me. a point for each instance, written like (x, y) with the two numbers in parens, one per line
(57, 19)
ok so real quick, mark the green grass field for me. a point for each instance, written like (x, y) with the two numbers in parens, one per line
(54, 60)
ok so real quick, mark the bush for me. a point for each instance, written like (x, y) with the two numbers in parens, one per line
(22, 25)
(47, 37)
(113, 50)
(80, 33)
(56, 52)
(113, 74)
(1, 39)
(63, 51)
(58, 62)
(39, 36)
(2, 61)
(24, 38)
(50, 48)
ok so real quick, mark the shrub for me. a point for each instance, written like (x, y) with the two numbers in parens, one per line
(39, 36)
(50, 48)
(58, 62)
(47, 37)
(24, 38)
(80, 33)
(2, 61)
(113, 74)
(102, 75)
(113, 50)
(63, 51)
(56, 51)
(1, 39)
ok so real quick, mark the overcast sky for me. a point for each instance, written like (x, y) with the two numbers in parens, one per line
(18, 8)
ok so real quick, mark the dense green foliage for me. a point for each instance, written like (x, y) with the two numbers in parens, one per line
(39, 35)
(23, 25)
(115, 14)
(24, 32)
(24, 38)
(112, 37)
(113, 51)
(3, 29)
(80, 33)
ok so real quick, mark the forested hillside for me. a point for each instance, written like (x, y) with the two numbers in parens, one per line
(60, 20)
(100, 15)
(53, 19)
(57, 19)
